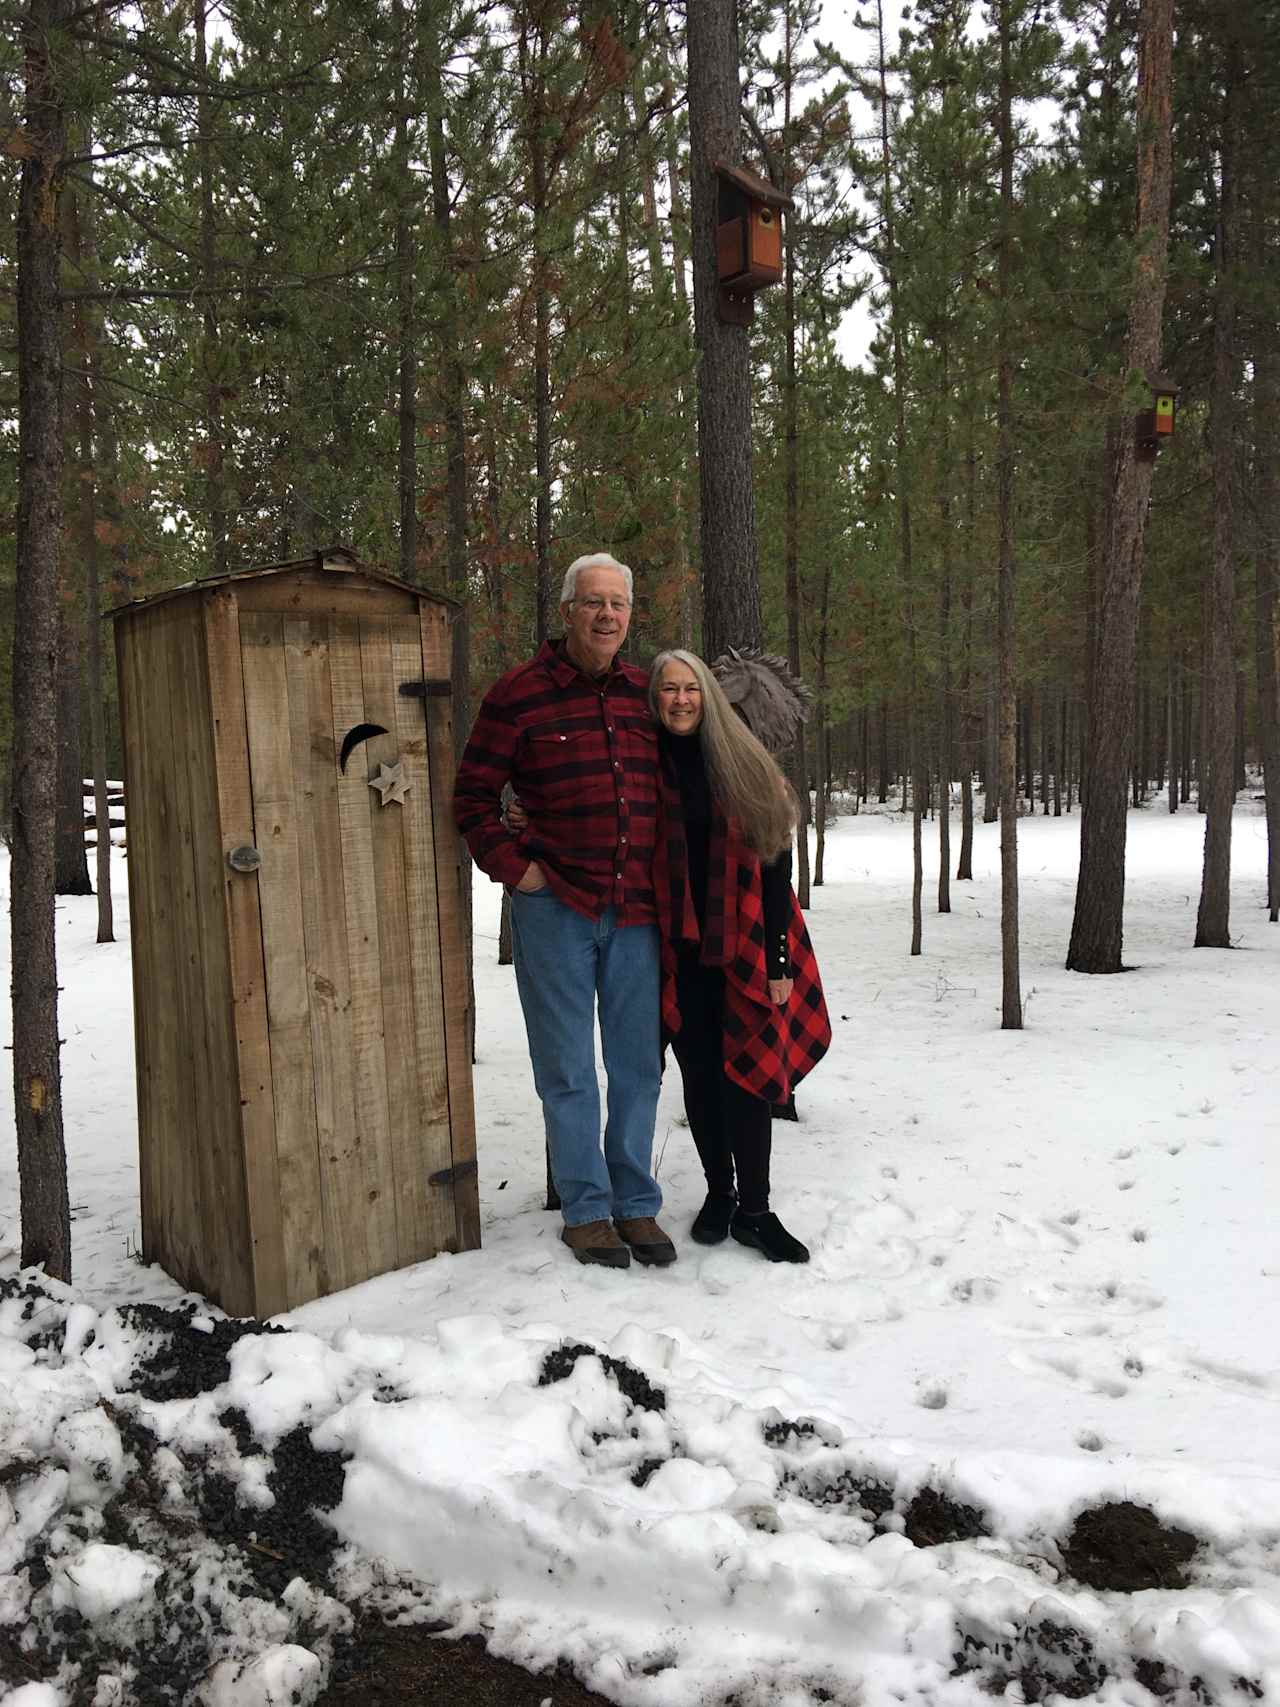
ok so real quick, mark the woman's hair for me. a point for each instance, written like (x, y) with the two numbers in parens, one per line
(745, 781)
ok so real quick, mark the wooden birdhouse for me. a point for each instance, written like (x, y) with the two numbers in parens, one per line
(1154, 427)
(296, 894)
(748, 240)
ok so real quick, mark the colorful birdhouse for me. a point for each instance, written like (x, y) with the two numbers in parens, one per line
(1154, 427)
(748, 240)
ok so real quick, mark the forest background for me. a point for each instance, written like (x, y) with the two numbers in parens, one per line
(416, 276)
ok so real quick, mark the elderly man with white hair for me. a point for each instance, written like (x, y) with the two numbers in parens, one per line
(571, 731)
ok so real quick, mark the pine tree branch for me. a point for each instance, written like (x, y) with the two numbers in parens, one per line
(197, 293)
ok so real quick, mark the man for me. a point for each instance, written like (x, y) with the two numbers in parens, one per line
(571, 731)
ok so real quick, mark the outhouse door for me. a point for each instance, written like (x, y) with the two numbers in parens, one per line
(351, 941)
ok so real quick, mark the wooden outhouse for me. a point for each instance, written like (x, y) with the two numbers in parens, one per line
(296, 898)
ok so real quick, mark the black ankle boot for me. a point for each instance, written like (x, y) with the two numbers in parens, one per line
(766, 1233)
(711, 1223)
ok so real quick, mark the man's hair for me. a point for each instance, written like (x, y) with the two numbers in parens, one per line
(593, 560)
(745, 782)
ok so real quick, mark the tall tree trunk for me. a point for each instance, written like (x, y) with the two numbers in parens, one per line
(533, 72)
(37, 1085)
(1213, 916)
(97, 438)
(1098, 924)
(71, 866)
(451, 395)
(791, 483)
(946, 760)
(1171, 734)
(991, 769)
(903, 484)
(970, 724)
(730, 565)
(1011, 985)
(406, 248)
(1266, 368)
(211, 352)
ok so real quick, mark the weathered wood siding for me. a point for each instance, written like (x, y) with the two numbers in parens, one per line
(305, 1102)
(193, 1202)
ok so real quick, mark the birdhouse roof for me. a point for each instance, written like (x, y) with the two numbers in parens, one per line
(332, 559)
(753, 185)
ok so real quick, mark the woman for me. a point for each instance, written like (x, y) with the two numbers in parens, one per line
(742, 1004)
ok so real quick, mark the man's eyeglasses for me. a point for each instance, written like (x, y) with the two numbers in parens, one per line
(595, 604)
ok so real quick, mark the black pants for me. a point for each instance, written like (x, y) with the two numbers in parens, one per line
(730, 1127)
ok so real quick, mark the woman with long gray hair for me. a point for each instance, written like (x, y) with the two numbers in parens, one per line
(742, 1001)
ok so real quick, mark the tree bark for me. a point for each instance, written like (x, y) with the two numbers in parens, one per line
(903, 484)
(96, 435)
(1266, 367)
(37, 1086)
(211, 353)
(71, 865)
(1011, 986)
(406, 253)
(730, 563)
(1098, 924)
(1213, 916)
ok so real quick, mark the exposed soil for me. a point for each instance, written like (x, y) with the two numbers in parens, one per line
(559, 1364)
(1126, 1547)
(403, 1665)
(934, 1518)
(218, 1547)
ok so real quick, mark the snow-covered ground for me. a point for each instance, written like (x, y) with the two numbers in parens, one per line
(1045, 1277)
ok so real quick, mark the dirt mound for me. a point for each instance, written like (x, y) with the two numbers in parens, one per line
(559, 1364)
(184, 1359)
(1126, 1547)
(934, 1518)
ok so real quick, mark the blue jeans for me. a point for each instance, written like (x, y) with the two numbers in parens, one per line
(565, 965)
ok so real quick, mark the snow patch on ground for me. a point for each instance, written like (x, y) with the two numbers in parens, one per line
(1044, 1278)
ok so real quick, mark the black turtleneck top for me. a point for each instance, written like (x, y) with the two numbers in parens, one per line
(685, 752)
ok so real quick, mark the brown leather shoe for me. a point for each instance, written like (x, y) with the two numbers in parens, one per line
(649, 1244)
(596, 1241)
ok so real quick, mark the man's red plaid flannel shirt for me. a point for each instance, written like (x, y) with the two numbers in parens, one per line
(582, 754)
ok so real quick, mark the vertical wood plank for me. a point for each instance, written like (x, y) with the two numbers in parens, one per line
(306, 649)
(242, 923)
(266, 701)
(453, 870)
(406, 1102)
(418, 832)
(150, 978)
(367, 1179)
(226, 1255)
(186, 1186)
(247, 971)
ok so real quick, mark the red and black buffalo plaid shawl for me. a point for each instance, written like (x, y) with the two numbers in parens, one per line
(767, 1049)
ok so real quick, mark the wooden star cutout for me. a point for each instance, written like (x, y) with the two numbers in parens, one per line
(391, 783)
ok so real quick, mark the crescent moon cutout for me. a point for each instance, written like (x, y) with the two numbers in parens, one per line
(353, 738)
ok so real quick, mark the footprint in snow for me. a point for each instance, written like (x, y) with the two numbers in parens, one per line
(1115, 1297)
(1231, 1375)
(1088, 1441)
(932, 1397)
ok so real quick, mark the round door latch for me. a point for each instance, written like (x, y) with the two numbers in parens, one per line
(245, 858)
